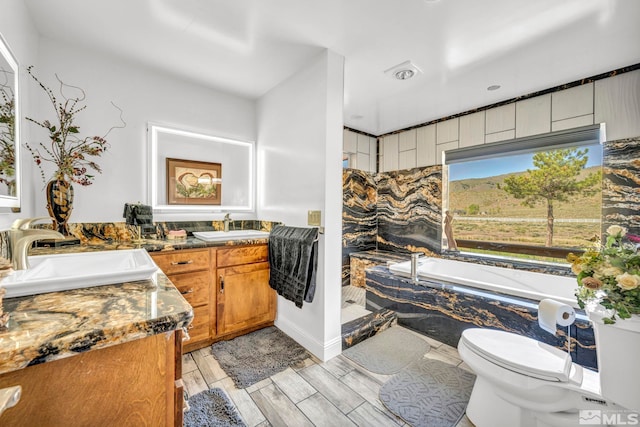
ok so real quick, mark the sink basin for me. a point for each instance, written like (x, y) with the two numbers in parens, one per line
(221, 236)
(60, 272)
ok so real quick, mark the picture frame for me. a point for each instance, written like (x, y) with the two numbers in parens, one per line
(193, 182)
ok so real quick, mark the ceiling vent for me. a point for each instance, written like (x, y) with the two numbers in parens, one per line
(403, 71)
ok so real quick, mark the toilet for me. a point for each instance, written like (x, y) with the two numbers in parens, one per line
(521, 382)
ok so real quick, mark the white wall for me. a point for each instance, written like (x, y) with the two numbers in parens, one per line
(20, 34)
(144, 95)
(299, 169)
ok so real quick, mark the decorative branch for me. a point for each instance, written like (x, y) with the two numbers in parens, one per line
(66, 149)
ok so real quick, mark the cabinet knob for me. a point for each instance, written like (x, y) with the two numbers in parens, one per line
(221, 284)
(182, 262)
(188, 291)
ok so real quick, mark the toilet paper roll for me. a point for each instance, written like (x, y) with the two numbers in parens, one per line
(552, 312)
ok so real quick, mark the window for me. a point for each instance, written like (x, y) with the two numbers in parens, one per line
(537, 198)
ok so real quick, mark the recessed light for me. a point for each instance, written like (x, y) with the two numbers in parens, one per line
(403, 74)
(403, 71)
(494, 87)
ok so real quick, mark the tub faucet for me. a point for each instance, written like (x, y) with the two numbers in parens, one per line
(227, 220)
(22, 236)
(415, 257)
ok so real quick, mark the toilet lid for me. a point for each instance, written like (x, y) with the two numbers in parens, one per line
(519, 354)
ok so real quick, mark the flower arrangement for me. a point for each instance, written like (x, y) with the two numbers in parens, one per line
(66, 149)
(609, 274)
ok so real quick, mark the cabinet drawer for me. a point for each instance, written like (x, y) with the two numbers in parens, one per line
(194, 287)
(182, 261)
(199, 327)
(243, 255)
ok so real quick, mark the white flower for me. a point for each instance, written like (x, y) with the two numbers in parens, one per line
(628, 281)
(611, 271)
(615, 230)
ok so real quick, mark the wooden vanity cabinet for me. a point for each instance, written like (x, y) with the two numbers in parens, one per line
(137, 383)
(244, 297)
(190, 271)
(227, 287)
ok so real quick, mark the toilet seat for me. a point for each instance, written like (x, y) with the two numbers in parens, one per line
(519, 354)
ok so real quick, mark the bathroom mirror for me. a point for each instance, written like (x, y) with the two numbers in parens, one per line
(9, 128)
(196, 172)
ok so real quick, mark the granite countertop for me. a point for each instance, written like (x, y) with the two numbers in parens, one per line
(51, 326)
(151, 245)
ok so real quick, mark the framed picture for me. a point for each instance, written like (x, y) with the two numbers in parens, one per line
(190, 182)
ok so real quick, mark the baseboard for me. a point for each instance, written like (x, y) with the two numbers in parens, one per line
(323, 351)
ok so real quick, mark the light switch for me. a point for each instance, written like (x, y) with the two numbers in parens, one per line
(314, 218)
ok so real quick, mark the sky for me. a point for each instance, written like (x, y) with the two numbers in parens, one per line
(508, 164)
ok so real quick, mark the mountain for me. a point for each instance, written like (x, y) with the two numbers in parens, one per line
(495, 202)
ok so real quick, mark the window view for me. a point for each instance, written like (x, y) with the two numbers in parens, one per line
(536, 205)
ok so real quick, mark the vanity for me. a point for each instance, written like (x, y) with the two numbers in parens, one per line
(228, 287)
(105, 355)
(112, 354)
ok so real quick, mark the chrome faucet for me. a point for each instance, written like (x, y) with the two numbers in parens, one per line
(227, 220)
(22, 236)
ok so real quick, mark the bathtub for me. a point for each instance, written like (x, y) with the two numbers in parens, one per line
(507, 281)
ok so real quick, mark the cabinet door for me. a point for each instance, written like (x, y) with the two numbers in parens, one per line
(245, 298)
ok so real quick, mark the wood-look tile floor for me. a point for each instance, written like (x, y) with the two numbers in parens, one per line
(334, 393)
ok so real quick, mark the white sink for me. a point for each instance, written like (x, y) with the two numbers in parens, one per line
(221, 236)
(60, 272)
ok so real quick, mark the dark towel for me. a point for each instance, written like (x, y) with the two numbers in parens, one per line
(137, 214)
(293, 259)
(144, 215)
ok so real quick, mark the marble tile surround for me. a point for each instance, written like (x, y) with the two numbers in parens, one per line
(359, 216)
(621, 184)
(409, 204)
(410, 210)
(442, 311)
(443, 315)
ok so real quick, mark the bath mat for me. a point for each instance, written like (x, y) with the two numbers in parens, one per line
(429, 393)
(389, 351)
(251, 358)
(212, 408)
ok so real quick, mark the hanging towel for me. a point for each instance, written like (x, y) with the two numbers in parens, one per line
(293, 259)
(143, 215)
(138, 214)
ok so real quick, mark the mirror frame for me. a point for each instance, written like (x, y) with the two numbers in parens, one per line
(154, 182)
(8, 201)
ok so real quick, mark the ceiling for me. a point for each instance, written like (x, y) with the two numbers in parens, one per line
(247, 47)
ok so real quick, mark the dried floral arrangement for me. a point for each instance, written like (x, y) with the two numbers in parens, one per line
(71, 153)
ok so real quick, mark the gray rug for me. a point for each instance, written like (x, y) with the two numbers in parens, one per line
(429, 393)
(212, 408)
(251, 358)
(389, 351)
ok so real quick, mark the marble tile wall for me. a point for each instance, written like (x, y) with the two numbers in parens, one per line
(621, 184)
(359, 216)
(410, 210)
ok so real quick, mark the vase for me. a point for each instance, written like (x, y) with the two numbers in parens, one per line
(617, 349)
(60, 204)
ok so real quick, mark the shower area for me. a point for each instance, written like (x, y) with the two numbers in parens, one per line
(385, 217)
